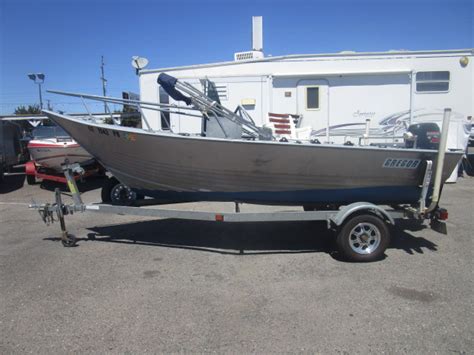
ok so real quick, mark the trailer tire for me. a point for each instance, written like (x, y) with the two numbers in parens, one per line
(105, 191)
(70, 241)
(31, 179)
(363, 238)
(116, 193)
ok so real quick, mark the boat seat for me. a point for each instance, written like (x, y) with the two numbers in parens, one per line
(285, 125)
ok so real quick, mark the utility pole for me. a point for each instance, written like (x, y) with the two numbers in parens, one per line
(104, 83)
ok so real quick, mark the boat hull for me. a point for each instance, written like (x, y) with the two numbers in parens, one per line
(209, 169)
(49, 153)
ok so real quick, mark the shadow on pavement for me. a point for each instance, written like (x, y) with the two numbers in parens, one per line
(243, 238)
(403, 240)
(224, 238)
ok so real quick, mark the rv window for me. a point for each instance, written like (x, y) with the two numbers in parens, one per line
(312, 98)
(431, 81)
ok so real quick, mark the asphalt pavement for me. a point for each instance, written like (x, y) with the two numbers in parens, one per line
(135, 285)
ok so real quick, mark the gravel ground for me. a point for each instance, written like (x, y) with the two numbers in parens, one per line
(140, 285)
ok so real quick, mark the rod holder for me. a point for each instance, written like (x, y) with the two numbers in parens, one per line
(440, 160)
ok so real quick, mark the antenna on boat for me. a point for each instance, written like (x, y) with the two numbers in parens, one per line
(139, 63)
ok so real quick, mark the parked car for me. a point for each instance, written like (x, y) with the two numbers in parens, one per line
(12, 150)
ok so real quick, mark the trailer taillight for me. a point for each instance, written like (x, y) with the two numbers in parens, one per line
(442, 214)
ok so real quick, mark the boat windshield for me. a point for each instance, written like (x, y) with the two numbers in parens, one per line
(49, 132)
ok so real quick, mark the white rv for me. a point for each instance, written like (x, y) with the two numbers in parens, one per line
(333, 92)
(337, 94)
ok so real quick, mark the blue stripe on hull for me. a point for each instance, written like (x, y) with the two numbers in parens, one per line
(377, 195)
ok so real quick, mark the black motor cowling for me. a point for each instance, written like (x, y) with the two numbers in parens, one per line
(168, 83)
(423, 136)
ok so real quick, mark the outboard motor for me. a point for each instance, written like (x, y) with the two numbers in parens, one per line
(423, 136)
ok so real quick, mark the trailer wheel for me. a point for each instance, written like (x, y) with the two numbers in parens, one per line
(31, 179)
(363, 238)
(70, 241)
(116, 193)
(105, 191)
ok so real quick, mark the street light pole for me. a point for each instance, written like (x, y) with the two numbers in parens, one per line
(38, 78)
(40, 95)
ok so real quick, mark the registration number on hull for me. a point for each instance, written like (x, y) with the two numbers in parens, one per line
(132, 137)
(399, 163)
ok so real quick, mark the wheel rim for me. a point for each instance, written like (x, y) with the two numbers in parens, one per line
(364, 238)
(121, 193)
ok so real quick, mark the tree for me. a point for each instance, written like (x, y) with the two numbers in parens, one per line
(130, 117)
(30, 110)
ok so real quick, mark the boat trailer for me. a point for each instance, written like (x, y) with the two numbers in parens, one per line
(362, 228)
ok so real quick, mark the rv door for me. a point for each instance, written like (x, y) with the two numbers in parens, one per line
(313, 103)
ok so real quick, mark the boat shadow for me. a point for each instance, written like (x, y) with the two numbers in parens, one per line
(249, 238)
(252, 238)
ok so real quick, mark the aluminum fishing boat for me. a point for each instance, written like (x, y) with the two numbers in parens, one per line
(232, 159)
(235, 160)
(167, 165)
(51, 146)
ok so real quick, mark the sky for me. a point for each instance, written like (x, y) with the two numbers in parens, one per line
(66, 39)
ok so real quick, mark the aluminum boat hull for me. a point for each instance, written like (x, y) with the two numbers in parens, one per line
(190, 168)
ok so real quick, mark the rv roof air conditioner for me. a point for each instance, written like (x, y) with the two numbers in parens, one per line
(247, 55)
(257, 42)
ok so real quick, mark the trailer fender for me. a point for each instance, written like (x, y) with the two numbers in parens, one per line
(346, 211)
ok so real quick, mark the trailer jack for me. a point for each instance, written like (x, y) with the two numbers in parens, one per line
(48, 211)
